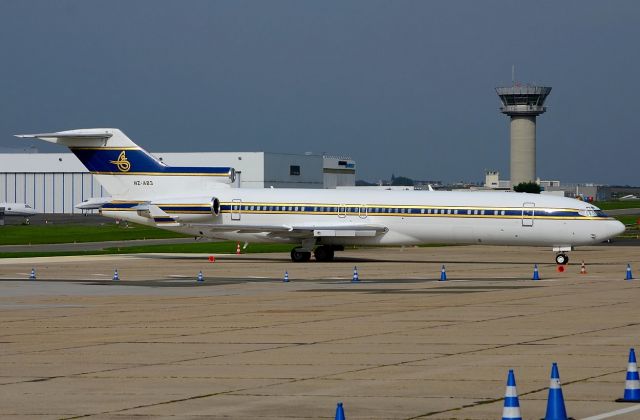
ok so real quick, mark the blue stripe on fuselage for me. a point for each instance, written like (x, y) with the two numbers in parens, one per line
(133, 161)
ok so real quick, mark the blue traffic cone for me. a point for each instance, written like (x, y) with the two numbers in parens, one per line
(340, 412)
(32, 276)
(511, 410)
(536, 275)
(286, 277)
(555, 403)
(115, 275)
(200, 277)
(632, 384)
(443, 274)
(629, 275)
(355, 279)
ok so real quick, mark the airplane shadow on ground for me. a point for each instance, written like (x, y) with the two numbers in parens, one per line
(258, 258)
(455, 287)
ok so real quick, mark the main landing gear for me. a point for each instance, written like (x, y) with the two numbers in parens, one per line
(562, 259)
(300, 255)
(323, 253)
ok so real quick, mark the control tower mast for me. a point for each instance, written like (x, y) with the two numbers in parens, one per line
(523, 104)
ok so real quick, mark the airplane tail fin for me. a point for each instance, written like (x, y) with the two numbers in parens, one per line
(126, 170)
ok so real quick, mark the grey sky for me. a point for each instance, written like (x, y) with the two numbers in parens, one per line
(401, 86)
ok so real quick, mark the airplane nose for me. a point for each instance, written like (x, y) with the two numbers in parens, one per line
(616, 228)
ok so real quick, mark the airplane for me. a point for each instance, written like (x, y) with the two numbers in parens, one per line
(200, 201)
(16, 209)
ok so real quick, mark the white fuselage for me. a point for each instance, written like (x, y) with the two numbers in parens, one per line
(409, 217)
(17, 209)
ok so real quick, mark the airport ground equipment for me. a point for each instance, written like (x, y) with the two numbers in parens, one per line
(629, 275)
(555, 402)
(340, 412)
(286, 277)
(511, 410)
(32, 275)
(632, 382)
(523, 104)
(200, 277)
(536, 275)
(583, 268)
(443, 273)
(116, 276)
(355, 278)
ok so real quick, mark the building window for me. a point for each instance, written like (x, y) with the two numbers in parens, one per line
(294, 170)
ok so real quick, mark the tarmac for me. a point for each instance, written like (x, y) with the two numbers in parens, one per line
(243, 344)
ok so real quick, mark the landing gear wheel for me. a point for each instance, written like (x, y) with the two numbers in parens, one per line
(323, 253)
(562, 259)
(298, 255)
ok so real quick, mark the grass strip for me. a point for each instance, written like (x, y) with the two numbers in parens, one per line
(59, 234)
(616, 204)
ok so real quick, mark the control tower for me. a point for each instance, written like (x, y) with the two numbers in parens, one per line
(523, 104)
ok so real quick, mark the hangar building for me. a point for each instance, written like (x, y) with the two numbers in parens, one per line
(56, 182)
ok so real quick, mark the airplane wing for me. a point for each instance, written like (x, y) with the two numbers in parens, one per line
(297, 231)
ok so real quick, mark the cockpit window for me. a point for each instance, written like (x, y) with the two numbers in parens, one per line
(591, 211)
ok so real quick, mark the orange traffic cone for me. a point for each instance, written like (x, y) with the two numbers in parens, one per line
(237, 248)
(583, 269)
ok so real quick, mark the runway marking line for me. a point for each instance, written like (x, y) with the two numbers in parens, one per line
(614, 413)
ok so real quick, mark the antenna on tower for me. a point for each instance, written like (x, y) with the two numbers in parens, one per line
(513, 74)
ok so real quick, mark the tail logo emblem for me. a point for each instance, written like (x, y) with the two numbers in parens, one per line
(122, 163)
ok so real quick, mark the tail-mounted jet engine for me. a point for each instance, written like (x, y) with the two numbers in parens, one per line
(215, 206)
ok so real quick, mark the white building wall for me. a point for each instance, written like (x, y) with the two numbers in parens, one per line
(338, 171)
(49, 192)
(278, 171)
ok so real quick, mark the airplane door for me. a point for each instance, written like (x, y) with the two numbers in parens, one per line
(1, 216)
(236, 206)
(342, 211)
(362, 212)
(528, 212)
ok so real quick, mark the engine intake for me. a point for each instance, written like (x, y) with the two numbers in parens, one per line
(215, 206)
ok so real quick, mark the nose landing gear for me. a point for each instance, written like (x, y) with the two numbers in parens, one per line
(562, 259)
